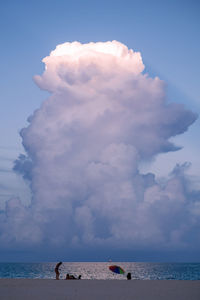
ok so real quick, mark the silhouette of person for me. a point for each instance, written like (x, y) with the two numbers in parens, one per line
(67, 277)
(129, 276)
(57, 270)
(72, 277)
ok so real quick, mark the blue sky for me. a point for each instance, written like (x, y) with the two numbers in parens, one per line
(166, 33)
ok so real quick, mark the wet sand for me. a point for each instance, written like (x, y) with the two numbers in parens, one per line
(49, 289)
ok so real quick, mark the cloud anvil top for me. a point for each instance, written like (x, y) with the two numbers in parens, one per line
(91, 64)
(84, 146)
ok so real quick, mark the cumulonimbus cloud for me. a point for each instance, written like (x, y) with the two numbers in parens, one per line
(84, 146)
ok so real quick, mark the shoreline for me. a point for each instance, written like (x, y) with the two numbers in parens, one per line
(87, 289)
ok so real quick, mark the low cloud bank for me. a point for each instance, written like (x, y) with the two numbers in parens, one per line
(84, 146)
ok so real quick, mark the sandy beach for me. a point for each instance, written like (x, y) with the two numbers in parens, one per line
(41, 289)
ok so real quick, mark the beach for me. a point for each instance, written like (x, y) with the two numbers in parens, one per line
(41, 289)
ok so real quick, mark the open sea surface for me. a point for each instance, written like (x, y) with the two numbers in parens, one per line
(100, 270)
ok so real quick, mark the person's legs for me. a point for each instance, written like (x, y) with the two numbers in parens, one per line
(57, 275)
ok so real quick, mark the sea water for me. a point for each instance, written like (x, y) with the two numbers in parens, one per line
(100, 270)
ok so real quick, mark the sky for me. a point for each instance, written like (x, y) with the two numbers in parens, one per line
(99, 138)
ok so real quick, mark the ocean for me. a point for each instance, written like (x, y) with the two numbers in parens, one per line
(100, 270)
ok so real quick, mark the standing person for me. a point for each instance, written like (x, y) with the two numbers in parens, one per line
(57, 270)
(129, 276)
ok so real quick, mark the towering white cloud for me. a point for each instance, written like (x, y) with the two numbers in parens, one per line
(84, 146)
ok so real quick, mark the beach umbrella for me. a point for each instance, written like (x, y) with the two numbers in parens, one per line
(116, 269)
